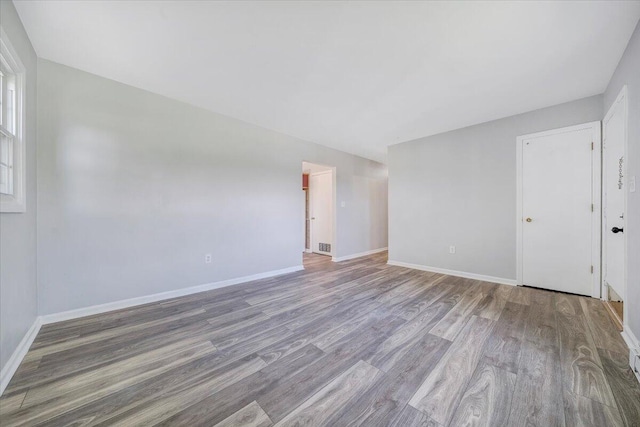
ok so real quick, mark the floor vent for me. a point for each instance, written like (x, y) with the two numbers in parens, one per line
(324, 247)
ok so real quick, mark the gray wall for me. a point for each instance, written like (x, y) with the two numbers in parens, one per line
(628, 72)
(135, 189)
(459, 188)
(18, 300)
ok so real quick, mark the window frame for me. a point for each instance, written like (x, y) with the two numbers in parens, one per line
(16, 202)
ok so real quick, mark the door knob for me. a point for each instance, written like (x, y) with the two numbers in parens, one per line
(617, 230)
(528, 220)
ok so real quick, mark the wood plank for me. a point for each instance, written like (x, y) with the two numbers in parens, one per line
(520, 295)
(401, 342)
(322, 333)
(496, 296)
(77, 360)
(98, 382)
(487, 400)
(11, 403)
(219, 404)
(139, 394)
(382, 403)
(603, 330)
(439, 395)
(50, 401)
(334, 396)
(172, 403)
(441, 292)
(584, 412)
(156, 390)
(61, 331)
(79, 340)
(581, 366)
(453, 322)
(624, 385)
(411, 417)
(537, 399)
(502, 349)
(357, 345)
(251, 415)
(336, 334)
(432, 290)
(568, 305)
(541, 326)
(407, 287)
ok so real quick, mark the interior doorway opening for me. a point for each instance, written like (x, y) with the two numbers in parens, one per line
(318, 184)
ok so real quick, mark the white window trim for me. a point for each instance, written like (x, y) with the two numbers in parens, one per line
(17, 202)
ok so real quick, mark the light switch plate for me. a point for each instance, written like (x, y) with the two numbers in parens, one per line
(343, 204)
(632, 184)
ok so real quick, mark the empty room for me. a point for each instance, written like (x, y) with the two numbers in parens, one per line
(319, 213)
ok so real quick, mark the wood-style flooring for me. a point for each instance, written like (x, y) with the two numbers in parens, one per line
(338, 344)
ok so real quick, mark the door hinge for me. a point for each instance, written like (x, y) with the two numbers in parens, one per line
(592, 269)
(592, 146)
(591, 207)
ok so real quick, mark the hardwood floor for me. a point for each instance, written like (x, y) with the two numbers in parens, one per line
(352, 343)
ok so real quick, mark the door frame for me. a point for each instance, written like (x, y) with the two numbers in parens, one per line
(596, 197)
(332, 172)
(622, 97)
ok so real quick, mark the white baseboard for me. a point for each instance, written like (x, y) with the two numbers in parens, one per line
(361, 254)
(464, 274)
(628, 336)
(118, 305)
(634, 350)
(16, 358)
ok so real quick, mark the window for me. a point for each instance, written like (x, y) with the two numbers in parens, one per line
(12, 147)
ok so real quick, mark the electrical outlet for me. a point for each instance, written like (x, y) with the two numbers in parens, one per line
(343, 204)
(634, 362)
(632, 184)
(208, 259)
(452, 249)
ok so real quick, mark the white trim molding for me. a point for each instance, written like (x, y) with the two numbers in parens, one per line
(628, 336)
(16, 202)
(634, 350)
(622, 101)
(358, 255)
(466, 275)
(14, 361)
(334, 209)
(132, 302)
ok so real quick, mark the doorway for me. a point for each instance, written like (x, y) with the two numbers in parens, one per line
(319, 208)
(614, 206)
(558, 219)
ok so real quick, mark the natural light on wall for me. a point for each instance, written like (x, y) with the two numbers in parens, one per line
(12, 151)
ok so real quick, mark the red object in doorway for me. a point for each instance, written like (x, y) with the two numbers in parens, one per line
(305, 181)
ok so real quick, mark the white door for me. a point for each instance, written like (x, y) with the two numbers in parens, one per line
(559, 217)
(321, 203)
(613, 203)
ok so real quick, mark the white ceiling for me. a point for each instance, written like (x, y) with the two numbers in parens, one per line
(356, 76)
